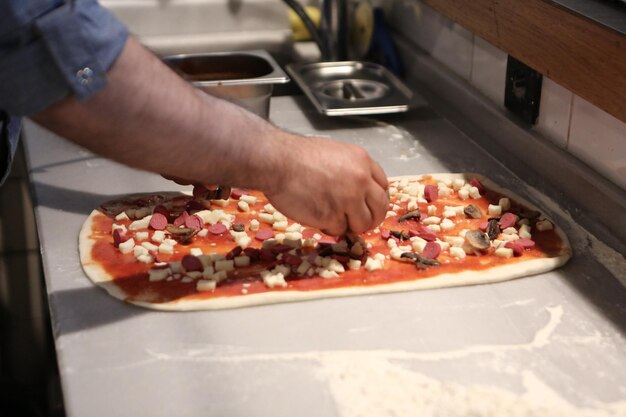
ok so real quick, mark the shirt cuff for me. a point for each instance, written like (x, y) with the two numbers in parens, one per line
(72, 48)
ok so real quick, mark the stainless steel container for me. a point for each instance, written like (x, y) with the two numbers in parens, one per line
(245, 78)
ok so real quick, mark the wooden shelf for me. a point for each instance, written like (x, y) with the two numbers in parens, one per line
(578, 53)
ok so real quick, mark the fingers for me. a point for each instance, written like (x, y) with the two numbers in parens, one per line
(338, 227)
(379, 174)
(360, 218)
(377, 201)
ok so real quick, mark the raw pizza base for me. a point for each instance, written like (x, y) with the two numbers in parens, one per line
(519, 269)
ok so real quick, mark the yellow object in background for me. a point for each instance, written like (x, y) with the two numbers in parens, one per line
(300, 32)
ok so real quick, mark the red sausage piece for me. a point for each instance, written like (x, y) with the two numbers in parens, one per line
(191, 263)
(194, 222)
(518, 249)
(217, 229)
(264, 234)
(507, 220)
(431, 193)
(292, 260)
(425, 233)
(119, 236)
(236, 193)
(385, 234)
(158, 221)
(180, 220)
(526, 243)
(161, 209)
(431, 250)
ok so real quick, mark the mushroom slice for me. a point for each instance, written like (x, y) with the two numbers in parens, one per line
(477, 239)
(414, 214)
(472, 211)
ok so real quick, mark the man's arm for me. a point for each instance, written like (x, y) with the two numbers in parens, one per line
(150, 118)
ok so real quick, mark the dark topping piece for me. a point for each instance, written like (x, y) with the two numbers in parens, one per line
(415, 214)
(253, 253)
(493, 228)
(216, 193)
(477, 239)
(292, 260)
(525, 213)
(181, 234)
(431, 193)
(236, 251)
(420, 261)
(194, 205)
(472, 211)
(191, 263)
(401, 235)
(239, 227)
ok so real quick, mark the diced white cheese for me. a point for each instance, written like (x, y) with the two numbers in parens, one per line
(303, 268)
(165, 248)
(458, 183)
(250, 199)
(205, 260)
(176, 267)
(432, 210)
(463, 232)
(448, 213)
(405, 248)
(505, 203)
(146, 259)
(158, 236)
(443, 245)
(396, 253)
(524, 232)
(243, 206)
(269, 208)
(203, 233)
(309, 243)
(447, 224)
(205, 285)
(432, 220)
(373, 264)
(118, 226)
(412, 204)
(494, 210)
(380, 257)
(141, 236)
(543, 225)
(149, 246)
(243, 241)
(187, 280)
(317, 236)
(219, 276)
(295, 227)
(266, 218)
(279, 217)
(225, 265)
(170, 242)
(254, 225)
(443, 190)
(273, 280)
(122, 216)
(280, 225)
(496, 243)
(434, 227)
(158, 274)
(391, 243)
(474, 193)
(457, 252)
(504, 252)
(140, 224)
(463, 194)
(195, 251)
(193, 275)
(204, 215)
(208, 271)
(418, 245)
(335, 266)
(508, 237)
(127, 247)
(454, 240)
(510, 231)
(139, 250)
(241, 261)
(354, 264)
(326, 274)
(390, 214)
(293, 235)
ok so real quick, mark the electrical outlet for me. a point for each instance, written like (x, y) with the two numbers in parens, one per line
(522, 92)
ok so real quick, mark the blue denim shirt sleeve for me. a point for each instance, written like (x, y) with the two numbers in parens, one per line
(50, 49)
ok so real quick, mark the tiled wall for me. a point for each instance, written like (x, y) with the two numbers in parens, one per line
(567, 120)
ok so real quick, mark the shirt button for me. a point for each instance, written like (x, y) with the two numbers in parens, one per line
(84, 75)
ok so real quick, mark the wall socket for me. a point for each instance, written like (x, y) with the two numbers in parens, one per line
(522, 92)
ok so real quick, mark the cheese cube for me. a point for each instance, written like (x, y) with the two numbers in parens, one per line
(254, 225)
(524, 232)
(448, 213)
(193, 275)
(150, 246)
(165, 248)
(195, 251)
(354, 264)
(412, 205)
(243, 206)
(158, 236)
(510, 231)
(396, 253)
(140, 224)
(508, 237)
(269, 208)
(463, 194)
(243, 241)
(505, 203)
(205, 260)
(208, 271)
(504, 252)
(457, 241)
(266, 218)
(224, 265)
(141, 235)
(139, 250)
(219, 276)
(250, 199)
(273, 280)
(418, 245)
(146, 259)
(494, 210)
(380, 257)
(122, 216)
(326, 274)
(373, 264)
(457, 252)
(335, 266)
(170, 242)
(474, 193)
(432, 220)
(221, 203)
(203, 233)
(176, 267)
(118, 226)
(205, 285)
(241, 261)
(447, 224)
(391, 243)
(279, 217)
(293, 235)
(295, 227)
(127, 247)
(303, 268)
(432, 210)
(458, 183)
(280, 225)
(160, 274)
(434, 227)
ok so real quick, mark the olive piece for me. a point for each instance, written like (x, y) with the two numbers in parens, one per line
(493, 228)
(414, 214)
(420, 261)
(477, 239)
(472, 211)
(181, 234)
(238, 227)
(402, 235)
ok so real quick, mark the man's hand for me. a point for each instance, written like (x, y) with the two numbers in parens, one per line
(330, 185)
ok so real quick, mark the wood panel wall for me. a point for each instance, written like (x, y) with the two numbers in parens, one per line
(579, 54)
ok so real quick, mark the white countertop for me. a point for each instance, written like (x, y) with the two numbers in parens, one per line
(547, 345)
